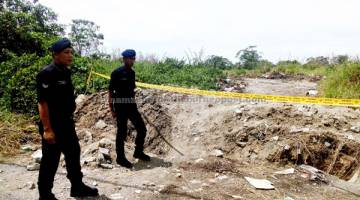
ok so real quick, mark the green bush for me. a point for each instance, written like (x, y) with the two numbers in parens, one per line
(20, 93)
(9, 68)
(343, 82)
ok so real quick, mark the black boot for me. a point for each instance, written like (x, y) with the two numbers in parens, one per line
(48, 196)
(124, 162)
(141, 155)
(82, 190)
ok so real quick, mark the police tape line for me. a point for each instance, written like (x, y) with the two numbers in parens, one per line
(272, 98)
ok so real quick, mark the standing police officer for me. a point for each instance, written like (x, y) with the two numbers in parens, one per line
(56, 102)
(123, 107)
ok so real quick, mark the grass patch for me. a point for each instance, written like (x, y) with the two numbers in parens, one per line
(15, 130)
(169, 72)
(290, 69)
(343, 82)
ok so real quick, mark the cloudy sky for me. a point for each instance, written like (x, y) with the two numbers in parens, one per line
(281, 29)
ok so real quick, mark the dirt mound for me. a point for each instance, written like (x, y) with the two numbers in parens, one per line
(97, 128)
(291, 135)
(325, 151)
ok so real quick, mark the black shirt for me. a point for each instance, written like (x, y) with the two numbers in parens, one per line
(122, 83)
(55, 87)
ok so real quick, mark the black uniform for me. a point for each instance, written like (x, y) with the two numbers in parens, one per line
(54, 86)
(122, 85)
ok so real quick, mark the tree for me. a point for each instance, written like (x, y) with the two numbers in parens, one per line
(218, 62)
(85, 37)
(249, 58)
(26, 27)
(340, 59)
(320, 60)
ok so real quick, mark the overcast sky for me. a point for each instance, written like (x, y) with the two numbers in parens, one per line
(281, 29)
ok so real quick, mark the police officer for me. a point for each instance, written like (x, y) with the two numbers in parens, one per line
(123, 107)
(56, 103)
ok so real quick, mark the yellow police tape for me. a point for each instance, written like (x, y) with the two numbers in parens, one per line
(273, 98)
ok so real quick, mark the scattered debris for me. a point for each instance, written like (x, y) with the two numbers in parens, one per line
(355, 129)
(262, 184)
(106, 143)
(116, 196)
(299, 130)
(178, 175)
(30, 185)
(80, 99)
(104, 151)
(313, 173)
(236, 197)
(107, 166)
(33, 167)
(288, 198)
(27, 148)
(100, 124)
(217, 153)
(95, 183)
(37, 156)
(312, 93)
(199, 160)
(241, 144)
(286, 171)
(137, 191)
(223, 177)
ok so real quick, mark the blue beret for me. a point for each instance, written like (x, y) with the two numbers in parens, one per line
(60, 45)
(129, 53)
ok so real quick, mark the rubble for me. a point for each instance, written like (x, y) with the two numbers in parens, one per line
(30, 185)
(286, 171)
(37, 155)
(262, 184)
(217, 153)
(116, 196)
(312, 173)
(107, 166)
(27, 148)
(33, 167)
(80, 99)
(100, 124)
(355, 129)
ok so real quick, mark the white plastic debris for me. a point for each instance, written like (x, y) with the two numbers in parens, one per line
(199, 160)
(218, 153)
(312, 93)
(116, 196)
(262, 184)
(37, 155)
(223, 177)
(100, 124)
(33, 167)
(107, 166)
(355, 129)
(27, 148)
(79, 99)
(30, 185)
(286, 171)
(104, 151)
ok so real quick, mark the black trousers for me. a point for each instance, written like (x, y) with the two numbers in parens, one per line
(67, 143)
(130, 112)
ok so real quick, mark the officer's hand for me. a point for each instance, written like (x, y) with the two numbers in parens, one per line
(113, 114)
(49, 137)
